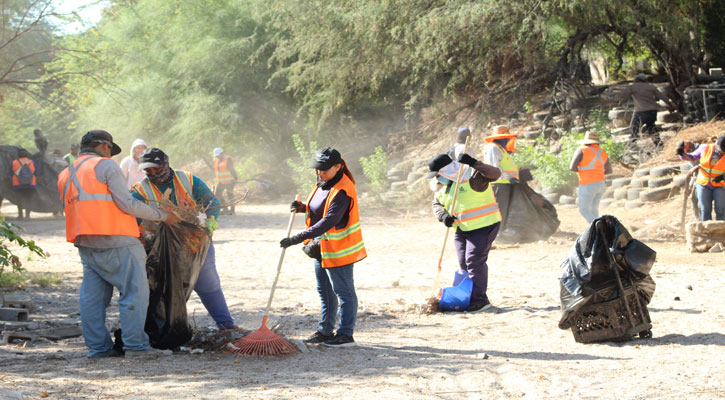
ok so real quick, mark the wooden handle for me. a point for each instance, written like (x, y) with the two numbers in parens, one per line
(281, 257)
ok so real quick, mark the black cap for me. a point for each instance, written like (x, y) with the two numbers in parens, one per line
(720, 142)
(152, 157)
(436, 163)
(326, 158)
(100, 136)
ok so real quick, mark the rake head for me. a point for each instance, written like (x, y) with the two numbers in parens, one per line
(262, 342)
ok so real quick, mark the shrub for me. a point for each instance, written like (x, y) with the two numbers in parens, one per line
(375, 169)
(7, 257)
(302, 177)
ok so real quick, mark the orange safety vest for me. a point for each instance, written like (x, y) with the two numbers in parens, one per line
(591, 167)
(708, 170)
(17, 164)
(183, 190)
(340, 246)
(222, 174)
(88, 204)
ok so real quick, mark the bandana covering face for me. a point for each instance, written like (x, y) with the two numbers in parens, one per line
(164, 176)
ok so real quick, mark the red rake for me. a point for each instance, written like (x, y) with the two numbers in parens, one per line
(264, 342)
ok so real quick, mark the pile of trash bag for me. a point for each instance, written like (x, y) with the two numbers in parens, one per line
(527, 215)
(174, 259)
(588, 272)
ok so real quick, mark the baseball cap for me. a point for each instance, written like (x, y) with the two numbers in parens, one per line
(100, 136)
(152, 157)
(217, 151)
(325, 158)
(436, 163)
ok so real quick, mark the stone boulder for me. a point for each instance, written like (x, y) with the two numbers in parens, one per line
(705, 236)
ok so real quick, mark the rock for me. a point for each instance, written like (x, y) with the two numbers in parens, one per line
(633, 204)
(414, 176)
(548, 190)
(665, 171)
(633, 193)
(677, 298)
(552, 197)
(620, 194)
(7, 394)
(620, 182)
(567, 200)
(655, 194)
(639, 183)
(689, 287)
(704, 235)
(641, 172)
(659, 182)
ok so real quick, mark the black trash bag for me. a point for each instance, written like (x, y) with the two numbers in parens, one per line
(174, 259)
(526, 215)
(588, 277)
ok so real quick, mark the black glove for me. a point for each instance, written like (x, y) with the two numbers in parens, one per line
(297, 207)
(464, 158)
(514, 180)
(447, 219)
(718, 178)
(291, 241)
(680, 148)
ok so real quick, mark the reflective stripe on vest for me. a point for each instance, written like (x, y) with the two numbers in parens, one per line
(16, 166)
(222, 175)
(88, 204)
(341, 246)
(474, 210)
(708, 170)
(591, 167)
(507, 165)
(183, 188)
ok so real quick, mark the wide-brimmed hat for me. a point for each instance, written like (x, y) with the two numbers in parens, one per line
(100, 136)
(500, 132)
(590, 137)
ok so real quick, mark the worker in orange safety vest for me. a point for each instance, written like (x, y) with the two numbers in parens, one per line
(591, 163)
(224, 178)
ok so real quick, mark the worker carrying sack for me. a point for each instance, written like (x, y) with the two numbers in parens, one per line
(173, 262)
(529, 216)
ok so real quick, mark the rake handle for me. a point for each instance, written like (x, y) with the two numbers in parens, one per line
(453, 205)
(279, 264)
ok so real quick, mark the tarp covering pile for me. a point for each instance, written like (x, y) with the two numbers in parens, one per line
(45, 197)
(174, 259)
(588, 272)
(527, 215)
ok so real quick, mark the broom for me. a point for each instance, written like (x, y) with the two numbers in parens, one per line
(264, 342)
(435, 300)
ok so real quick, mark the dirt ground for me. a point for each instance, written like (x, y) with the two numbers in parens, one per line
(517, 351)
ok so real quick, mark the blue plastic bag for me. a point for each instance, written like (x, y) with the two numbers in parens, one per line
(457, 298)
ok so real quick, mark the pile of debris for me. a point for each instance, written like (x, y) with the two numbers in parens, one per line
(17, 326)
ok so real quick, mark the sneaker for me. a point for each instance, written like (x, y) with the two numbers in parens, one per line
(318, 337)
(341, 340)
(108, 353)
(474, 308)
(151, 352)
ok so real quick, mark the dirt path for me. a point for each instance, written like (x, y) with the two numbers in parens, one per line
(516, 352)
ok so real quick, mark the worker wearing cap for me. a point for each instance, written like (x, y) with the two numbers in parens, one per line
(710, 184)
(591, 163)
(645, 97)
(457, 149)
(476, 217)
(224, 177)
(100, 220)
(70, 158)
(192, 192)
(497, 152)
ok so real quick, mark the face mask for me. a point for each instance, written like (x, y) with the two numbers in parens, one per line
(163, 177)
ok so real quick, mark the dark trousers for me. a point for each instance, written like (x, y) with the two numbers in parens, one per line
(472, 248)
(645, 120)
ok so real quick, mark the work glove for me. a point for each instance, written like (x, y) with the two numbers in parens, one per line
(291, 241)
(464, 158)
(447, 219)
(212, 224)
(297, 207)
(718, 178)
(514, 180)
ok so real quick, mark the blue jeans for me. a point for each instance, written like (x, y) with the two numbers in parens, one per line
(705, 196)
(589, 197)
(104, 269)
(331, 284)
(209, 289)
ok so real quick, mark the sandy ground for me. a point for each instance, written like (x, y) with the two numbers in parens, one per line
(515, 352)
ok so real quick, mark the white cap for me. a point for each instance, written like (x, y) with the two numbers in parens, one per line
(218, 151)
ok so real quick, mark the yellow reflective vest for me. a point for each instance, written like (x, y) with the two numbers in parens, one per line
(474, 210)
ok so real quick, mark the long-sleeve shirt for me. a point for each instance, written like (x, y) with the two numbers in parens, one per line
(644, 95)
(483, 174)
(109, 173)
(695, 155)
(200, 192)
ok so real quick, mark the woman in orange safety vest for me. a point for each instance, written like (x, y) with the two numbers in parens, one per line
(333, 219)
(591, 163)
